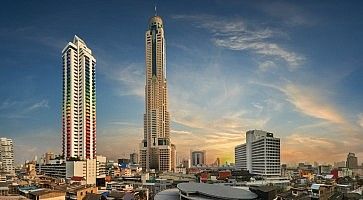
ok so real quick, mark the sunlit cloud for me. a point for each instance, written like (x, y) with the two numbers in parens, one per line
(311, 103)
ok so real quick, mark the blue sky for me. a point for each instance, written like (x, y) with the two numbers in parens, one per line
(290, 67)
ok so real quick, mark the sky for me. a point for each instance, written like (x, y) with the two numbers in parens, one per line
(293, 68)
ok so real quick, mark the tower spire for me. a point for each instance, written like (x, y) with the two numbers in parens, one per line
(156, 13)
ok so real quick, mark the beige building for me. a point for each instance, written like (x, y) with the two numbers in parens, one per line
(47, 195)
(83, 168)
(79, 192)
(156, 149)
(7, 156)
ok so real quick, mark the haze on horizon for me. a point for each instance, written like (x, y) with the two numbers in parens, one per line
(289, 67)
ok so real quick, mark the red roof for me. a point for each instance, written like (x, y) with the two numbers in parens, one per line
(77, 178)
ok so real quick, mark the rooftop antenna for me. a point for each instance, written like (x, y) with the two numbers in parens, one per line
(156, 13)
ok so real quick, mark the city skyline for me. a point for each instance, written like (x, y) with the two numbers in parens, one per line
(231, 68)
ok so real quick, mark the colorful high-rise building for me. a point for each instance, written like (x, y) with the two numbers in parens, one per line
(156, 149)
(79, 101)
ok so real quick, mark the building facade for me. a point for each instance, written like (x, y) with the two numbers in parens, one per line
(101, 168)
(87, 169)
(352, 161)
(7, 156)
(155, 148)
(260, 154)
(198, 158)
(79, 101)
(54, 168)
(134, 158)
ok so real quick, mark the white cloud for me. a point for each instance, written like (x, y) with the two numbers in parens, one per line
(41, 104)
(266, 65)
(237, 35)
(131, 77)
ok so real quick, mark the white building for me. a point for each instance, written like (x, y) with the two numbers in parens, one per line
(79, 101)
(83, 168)
(260, 154)
(155, 148)
(7, 156)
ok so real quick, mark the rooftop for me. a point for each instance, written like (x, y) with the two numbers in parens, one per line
(215, 191)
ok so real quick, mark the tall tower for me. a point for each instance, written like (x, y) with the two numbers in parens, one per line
(79, 101)
(155, 149)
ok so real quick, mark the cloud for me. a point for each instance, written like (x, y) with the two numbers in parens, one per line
(131, 77)
(292, 15)
(41, 104)
(236, 34)
(266, 65)
(294, 147)
(311, 103)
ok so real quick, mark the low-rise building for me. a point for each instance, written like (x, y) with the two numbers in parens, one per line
(46, 194)
(79, 192)
(321, 191)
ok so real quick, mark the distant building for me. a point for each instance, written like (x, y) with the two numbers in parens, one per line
(186, 163)
(198, 158)
(48, 156)
(55, 168)
(340, 164)
(352, 161)
(134, 158)
(173, 157)
(260, 154)
(7, 156)
(324, 169)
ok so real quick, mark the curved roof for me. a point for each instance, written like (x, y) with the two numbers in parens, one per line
(170, 194)
(155, 19)
(216, 191)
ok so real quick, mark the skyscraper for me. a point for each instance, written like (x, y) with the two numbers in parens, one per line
(79, 101)
(155, 149)
(198, 158)
(7, 156)
(352, 161)
(260, 154)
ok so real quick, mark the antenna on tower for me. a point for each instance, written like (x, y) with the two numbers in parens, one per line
(156, 13)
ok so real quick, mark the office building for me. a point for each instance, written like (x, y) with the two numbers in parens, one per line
(7, 156)
(79, 101)
(134, 158)
(55, 168)
(198, 158)
(352, 161)
(155, 148)
(260, 154)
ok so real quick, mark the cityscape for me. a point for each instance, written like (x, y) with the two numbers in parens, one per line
(143, 100)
